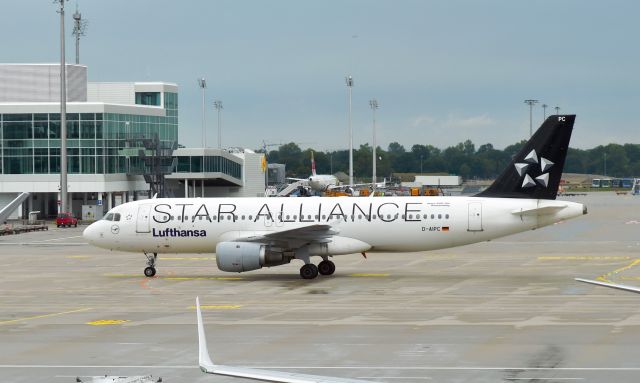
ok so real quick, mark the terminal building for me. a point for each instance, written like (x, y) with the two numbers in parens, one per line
(109, 127)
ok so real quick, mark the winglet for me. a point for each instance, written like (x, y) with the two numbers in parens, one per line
(204, 360)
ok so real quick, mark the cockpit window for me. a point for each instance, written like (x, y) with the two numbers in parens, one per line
(116, 217)
(108, 217)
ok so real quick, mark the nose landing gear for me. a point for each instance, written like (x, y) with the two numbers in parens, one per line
(150, 270)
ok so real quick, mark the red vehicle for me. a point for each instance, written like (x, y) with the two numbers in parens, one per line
(66, 219)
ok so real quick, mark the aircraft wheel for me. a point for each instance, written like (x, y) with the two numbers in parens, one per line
(326, 267)
(309, 271)
(150, 271)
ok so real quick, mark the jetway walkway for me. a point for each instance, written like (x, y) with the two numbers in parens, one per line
(12, 206)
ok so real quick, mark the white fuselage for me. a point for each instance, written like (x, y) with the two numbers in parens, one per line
(389, 224)
(322, 182)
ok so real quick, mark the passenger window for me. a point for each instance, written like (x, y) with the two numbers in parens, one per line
(214, 217)
(243, 217)
(250, 218)
(439, 216)
(446, 216)
(433, 216)
(222, 218)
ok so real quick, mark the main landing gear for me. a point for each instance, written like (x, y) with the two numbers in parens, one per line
(310, 271)
(150, 270)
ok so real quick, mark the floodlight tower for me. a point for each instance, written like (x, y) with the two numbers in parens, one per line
(218, 105)
(373, 103)
(531, 103)
(79, 29)
(202, 83)
(349, 81)
(63, 114)
(557, 108)
(544, 112)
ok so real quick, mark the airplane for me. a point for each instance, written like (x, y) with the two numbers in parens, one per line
(251, 233)
(207, 366)
(611, 285)
(319, 182)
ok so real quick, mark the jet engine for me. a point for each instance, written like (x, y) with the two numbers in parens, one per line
(246, 256)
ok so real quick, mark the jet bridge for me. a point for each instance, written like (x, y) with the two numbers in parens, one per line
(12, 206)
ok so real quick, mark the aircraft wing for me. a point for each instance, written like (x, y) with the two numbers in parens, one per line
(291, 238)
(611, 285)
(207, 366)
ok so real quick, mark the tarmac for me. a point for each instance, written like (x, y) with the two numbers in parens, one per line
(501, 311)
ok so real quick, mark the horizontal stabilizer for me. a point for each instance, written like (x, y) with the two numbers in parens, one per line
(546, 210)
(611, 285)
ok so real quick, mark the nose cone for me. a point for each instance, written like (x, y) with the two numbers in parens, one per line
(90, 234)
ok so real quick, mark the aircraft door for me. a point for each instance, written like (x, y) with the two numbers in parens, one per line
(143, 219)
(475, 216)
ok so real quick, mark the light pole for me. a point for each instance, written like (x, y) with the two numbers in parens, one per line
(349, 81)
(531, 103)
(218, 105)
(544, 112)
(421, 164)
(557, 108)
(63, 115)
(373, 103)
(202, 83)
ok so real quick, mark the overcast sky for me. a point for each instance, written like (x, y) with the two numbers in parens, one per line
(442, 71)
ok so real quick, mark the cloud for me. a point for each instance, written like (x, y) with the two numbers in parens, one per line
(452, 122)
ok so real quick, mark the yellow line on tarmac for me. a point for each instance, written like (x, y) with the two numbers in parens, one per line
(369, 275)
(177, 278)
(187, 258)
(77, 256)
(605, 277)
(107, 322)
(43, 316)
(202, 278)
(216, 307)
(583, 258)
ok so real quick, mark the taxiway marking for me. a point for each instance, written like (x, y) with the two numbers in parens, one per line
(176, 278)
(188, 258)
(107, 322)
(583, 258)
(605, 277)
(43, 316)
(216, 307)
(368, 275)
(399, 368)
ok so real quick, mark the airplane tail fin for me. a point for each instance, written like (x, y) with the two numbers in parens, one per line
(536, 170)
(313, 165)
(204, 360)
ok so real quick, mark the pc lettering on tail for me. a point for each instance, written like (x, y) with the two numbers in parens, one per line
(252, 233)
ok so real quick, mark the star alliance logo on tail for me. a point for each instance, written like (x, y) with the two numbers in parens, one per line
(530, 161)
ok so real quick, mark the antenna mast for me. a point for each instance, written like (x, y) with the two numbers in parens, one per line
(79, 29)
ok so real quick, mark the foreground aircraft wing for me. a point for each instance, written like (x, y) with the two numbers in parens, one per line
(611, 285)
(207, 366)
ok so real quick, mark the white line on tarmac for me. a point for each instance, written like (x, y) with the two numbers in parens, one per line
(44, 244)
(407, 368)
(58, 239)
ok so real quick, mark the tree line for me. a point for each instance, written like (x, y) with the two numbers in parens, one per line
(463, 159)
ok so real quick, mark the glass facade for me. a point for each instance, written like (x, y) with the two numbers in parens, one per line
(96, 142)
(194, 164)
